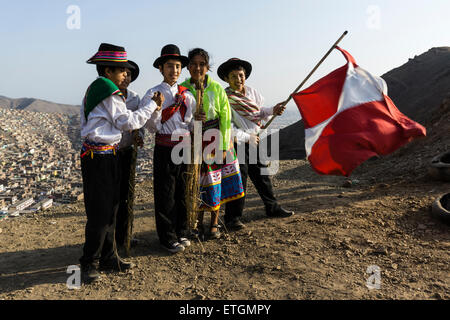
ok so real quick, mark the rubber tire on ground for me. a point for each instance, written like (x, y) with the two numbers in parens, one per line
(440, 167)
(441, 208)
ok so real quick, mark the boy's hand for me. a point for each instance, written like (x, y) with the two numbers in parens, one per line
(279, 109)
(254, 140)
(158, 97)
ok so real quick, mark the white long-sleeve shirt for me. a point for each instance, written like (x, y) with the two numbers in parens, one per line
(242, 127)
(132, 103)
(106, 122)
(175, 122)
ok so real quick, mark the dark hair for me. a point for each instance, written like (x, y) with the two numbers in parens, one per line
(163, 61)
(101, 70)
(232, 68)
(199, 51)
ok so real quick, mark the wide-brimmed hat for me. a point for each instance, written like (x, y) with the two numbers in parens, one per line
(224, 68)
(112, 56)
(134, 71)
(170, 51)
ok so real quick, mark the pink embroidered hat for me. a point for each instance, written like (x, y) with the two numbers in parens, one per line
(111, 55)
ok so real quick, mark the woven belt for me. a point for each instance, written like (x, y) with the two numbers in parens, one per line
(92, 148)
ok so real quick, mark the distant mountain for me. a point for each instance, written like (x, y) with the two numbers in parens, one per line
(417, 88)
(31, 104)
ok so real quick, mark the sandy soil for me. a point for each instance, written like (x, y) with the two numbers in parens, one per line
(323, 252)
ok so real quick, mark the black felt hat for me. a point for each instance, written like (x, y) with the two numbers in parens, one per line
(134, 71)
(225, 68)
(170, 51)
(111, 55)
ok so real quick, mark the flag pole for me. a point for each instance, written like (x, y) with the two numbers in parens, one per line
(307, 77)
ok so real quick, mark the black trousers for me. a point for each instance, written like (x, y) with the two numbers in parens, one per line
(125, 156)
(262, 183)
(169, 191)
(101, 178)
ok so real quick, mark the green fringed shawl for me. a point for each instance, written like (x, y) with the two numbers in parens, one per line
(98, 91)
(216, 106)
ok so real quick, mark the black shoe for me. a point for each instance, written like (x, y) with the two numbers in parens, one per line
(279, 212)
(173, 247)
(89, 273)
(184, 242)
(115, 264)
(235, 224)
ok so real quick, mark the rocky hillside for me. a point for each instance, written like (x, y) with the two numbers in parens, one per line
(417, 88)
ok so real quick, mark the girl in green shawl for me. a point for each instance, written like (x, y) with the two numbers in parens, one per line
(219, 182)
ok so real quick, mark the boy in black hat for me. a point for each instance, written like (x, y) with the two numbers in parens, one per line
(247, 113)
(168, 177)
(104, 116)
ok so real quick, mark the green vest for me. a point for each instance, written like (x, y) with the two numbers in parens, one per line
(98, 91)
(215, 106)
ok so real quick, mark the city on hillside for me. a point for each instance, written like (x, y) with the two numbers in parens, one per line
(40, 161)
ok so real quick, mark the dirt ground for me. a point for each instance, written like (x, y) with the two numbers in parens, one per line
(323, 252)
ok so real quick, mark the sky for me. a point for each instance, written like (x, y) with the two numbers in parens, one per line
(45, 43)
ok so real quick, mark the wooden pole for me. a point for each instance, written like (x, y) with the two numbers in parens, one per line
(131, 195)
(199, 91)
(307, 77)
(193, 171)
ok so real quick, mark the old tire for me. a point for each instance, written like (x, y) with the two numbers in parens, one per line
(440, 167)
(441, 208)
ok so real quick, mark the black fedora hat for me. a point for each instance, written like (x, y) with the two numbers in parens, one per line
(228, 65)
(170, 51)
(111, 55)
(134, 71)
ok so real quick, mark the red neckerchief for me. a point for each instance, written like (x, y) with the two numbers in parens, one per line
(180, 104)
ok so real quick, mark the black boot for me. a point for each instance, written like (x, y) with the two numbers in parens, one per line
(279, 212)
(115, 264)
(89, 273)
(234, 224)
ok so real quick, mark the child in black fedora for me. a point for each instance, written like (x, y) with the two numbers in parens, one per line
(169, 177)
(247, 113)
(104, 116)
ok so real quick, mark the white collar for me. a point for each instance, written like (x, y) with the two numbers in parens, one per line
(174, 86)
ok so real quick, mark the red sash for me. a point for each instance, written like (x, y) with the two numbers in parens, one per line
(180, 104)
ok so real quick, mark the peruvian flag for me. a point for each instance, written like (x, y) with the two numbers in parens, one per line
(349, 118)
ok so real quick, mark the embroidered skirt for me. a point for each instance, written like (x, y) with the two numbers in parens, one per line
(220, 183)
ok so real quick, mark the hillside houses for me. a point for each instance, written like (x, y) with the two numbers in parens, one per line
(40, 158)
(37, 158)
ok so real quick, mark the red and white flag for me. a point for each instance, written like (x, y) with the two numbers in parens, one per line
(349, 118)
